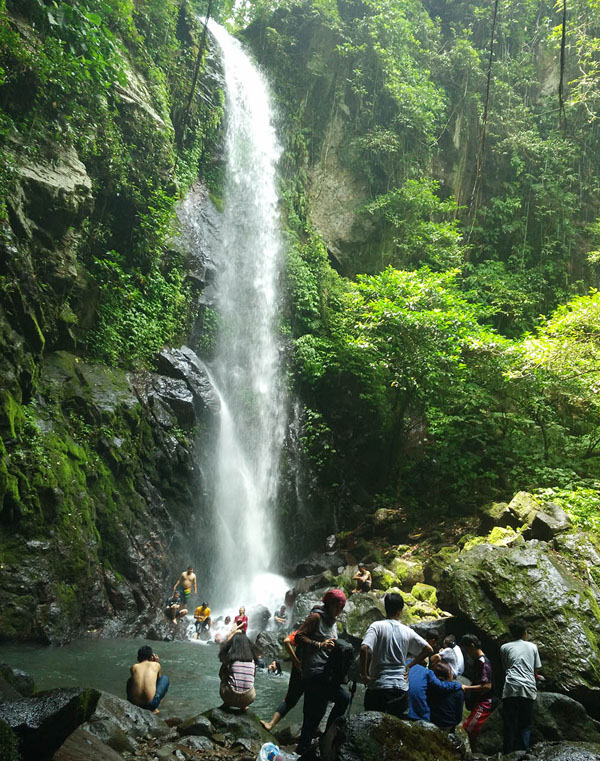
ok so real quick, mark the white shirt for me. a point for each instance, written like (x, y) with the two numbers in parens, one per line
(460, 659)
(448, 655)
(390, 642)
(520, 659)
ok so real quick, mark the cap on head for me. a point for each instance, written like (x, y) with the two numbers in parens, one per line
(334, 595)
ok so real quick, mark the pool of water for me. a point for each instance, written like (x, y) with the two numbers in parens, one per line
(104, 664)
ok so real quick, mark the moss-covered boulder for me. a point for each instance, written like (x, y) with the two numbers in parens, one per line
(490, 585)
(409, 571)
(384, 578)
(361, 610)
(374, 736)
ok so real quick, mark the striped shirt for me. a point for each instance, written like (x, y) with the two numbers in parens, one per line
(241, 676)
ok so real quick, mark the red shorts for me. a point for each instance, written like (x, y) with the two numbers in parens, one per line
(477, 718)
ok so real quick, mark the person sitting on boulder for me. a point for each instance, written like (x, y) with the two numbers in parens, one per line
(445, 706)
(521, 661)
(202, 619)
(295, 687)
(280, 618)
(478, 695)
(147, 685)
(238, 658)
(316, 638)
(363, 580)
(174, 610)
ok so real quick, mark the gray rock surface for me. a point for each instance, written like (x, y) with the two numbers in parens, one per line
(373, 736)
(43, 723)
(235, 725)
(197, 726)
(121, 725)
(82, 746)
(489, 585)
(563, 751)
(555, 717)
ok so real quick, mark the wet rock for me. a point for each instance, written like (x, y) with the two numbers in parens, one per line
(183, 363)
(555, 717)
(82, 746)
(175, 396)
(8, 692)
(44, 722)
(489, 585)
(316, 564)
(196, 725)
(121, 725)
(269, 645)
(234, 725)
(306, 602)
(245, 744)
(196, 743)
(288, 735)
(374, 736)
(20, 680)
(258, 618)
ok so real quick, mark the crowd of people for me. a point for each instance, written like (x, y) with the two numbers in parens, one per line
(405, 675)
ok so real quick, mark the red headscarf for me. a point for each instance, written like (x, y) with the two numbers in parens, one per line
(334, 594)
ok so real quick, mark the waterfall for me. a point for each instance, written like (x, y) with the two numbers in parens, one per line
(246, 371)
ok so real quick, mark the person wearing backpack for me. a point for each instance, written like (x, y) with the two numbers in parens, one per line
(383, 655)
(317, 638)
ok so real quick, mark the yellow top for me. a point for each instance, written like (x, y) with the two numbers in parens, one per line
(201, 614)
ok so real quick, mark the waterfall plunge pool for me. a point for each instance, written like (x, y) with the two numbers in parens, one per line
(191, 666)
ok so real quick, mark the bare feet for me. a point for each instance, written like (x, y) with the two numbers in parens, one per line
(156, 710)
(267, 725)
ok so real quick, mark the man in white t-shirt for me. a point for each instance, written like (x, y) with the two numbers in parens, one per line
(452, 655)
(521, 661)
(383, 655)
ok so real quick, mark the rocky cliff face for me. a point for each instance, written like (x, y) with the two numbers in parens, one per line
(97, 447)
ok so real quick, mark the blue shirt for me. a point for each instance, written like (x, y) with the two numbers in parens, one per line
(420, 680)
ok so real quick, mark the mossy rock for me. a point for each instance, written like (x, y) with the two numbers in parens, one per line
(383, 578)
(523, 507)
(425, 593)
(490, 585)
(408, 571)
(9, 743)
(374, 736)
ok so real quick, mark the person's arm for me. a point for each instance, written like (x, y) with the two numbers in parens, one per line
(195, 587)
(176, 584)
(306, 633)
(287, 643)
(356, 575)
(437, 684)
(420, 658)
(365, 663)
(483, 686)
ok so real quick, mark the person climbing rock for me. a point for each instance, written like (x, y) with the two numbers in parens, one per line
(478, 695)
(147, 685)
(317, 637)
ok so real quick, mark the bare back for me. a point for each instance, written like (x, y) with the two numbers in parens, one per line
(144, 677)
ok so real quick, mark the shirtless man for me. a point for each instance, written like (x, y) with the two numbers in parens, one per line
(185, 582)
(363, 580)
(147, 685)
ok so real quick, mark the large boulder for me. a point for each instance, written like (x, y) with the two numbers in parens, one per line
(490, 585)
(44, 722)
(269, 645)
(20, 680)
(361, 610)
(234, 725)
(325, 561)
(82, 746)
(122, 725)
(555, 717)
(374, 736)
(184, 364)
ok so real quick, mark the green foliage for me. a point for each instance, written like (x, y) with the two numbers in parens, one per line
(138, 312)
(582, 504)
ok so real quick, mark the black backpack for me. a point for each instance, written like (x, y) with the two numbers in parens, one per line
(341, 657)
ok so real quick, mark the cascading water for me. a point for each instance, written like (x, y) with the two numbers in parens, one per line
(246, 371)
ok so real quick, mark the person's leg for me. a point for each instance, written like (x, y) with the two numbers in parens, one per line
(315, 705)
(509, 724)
(340, 703)
(374, 700)
(525, 720)
(162, 685)
(397, 703)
